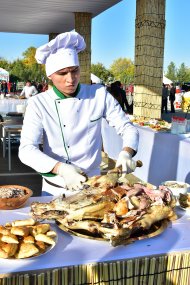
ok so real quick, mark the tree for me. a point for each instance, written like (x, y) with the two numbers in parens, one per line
(123, 70)
(35, 71)
(4, 64)
(29, 56)
(18, 71)
(183, 73)
(171, 71)
(100, 71)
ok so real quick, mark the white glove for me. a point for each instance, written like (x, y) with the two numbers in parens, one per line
(126, 162)
(72, 176)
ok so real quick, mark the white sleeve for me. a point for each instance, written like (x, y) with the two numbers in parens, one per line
(22, 92)
(31, 138)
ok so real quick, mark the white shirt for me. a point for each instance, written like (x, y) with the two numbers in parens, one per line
(71, 129)
(29, 91)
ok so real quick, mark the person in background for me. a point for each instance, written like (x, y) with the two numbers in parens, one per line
(9, 84)
(172, 97)
(68, 116)
(125, 105)
(28, 91)
(14, 87)
(39, 87)
(116, 93)
(164, 98)
(4, 87)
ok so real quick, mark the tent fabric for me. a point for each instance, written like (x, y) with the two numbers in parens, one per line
(4, 74)
(95, 79)
(166, 80)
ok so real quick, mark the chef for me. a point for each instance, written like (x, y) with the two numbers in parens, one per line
(68, 119)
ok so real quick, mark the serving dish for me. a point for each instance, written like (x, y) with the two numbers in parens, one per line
(155, 230)
(177, 187)
(26, 239)
(13, 196)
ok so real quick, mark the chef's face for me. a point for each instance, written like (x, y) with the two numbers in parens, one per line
(66, 80)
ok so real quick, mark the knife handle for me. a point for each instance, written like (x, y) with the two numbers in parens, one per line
(139, 163)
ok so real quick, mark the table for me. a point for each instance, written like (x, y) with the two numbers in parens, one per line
(165, 156)
(10, 105)
(9, 130)
(164, 259)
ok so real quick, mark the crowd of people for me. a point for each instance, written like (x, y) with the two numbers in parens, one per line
(31, 88)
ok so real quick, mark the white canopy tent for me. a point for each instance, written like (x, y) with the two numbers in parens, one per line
(166, 80)
(95, 79)
(4, 75)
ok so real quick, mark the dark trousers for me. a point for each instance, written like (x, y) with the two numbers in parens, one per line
(164, 105)
(172, 106)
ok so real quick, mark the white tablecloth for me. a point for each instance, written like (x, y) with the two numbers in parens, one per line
(165, 156)
(10, 105)
(72, 250)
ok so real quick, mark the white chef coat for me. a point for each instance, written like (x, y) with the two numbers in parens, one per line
(71, 129)
(29, 91)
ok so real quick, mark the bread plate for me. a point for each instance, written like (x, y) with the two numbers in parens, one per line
(26, 239)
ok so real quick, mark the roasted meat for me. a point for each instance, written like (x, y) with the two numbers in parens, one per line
(108, 209)
(184, 200)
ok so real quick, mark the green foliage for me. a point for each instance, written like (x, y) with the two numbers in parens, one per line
(123, 70)
(26, 68)
(18, 71)
(29, 56)
(183, 73)
(171, 71)
(4, 64)
(100, 71)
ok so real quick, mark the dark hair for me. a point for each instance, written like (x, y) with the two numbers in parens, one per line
(117, 83)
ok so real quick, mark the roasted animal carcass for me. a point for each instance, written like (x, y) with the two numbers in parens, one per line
(108, 209)
(184, 200)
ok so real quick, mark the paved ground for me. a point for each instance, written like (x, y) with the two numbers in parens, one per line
(179, 113)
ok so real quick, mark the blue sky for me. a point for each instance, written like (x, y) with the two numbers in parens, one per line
(113, 35)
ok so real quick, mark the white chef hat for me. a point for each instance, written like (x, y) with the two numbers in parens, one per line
(61, 52)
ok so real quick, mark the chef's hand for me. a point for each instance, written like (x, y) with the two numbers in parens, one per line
(72, 176)
(126, 162)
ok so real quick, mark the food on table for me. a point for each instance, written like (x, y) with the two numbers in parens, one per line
(25, 238)
(155, 124)
(175, 184)
(177, 187)
(108, 209)
(184, 200)
(12, 192)
(13, 196)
